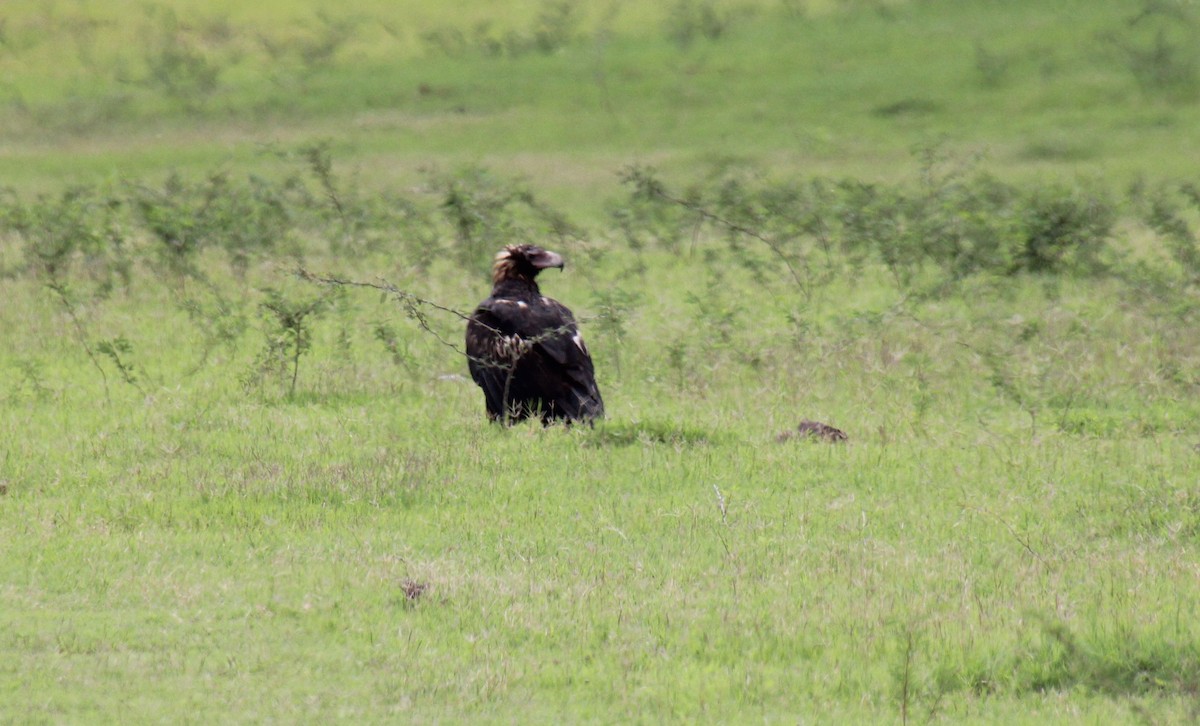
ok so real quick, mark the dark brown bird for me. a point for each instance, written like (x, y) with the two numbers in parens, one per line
(524, 349)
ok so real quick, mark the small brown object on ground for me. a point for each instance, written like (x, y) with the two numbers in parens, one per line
(814, 430)
(413, 590)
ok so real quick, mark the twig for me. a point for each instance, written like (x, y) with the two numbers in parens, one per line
(1012, 531)
(60, 290)
(413, 305)
(322, 167)
(711, 216)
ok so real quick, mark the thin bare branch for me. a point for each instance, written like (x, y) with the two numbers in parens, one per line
(710, 216)
(60, 290)
(415, 306)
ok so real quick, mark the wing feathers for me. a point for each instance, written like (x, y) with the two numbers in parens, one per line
(530, 360)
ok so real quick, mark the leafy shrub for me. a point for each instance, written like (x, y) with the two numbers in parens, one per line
(1166, 214)
(248, 218)
(178, 64)
(1169, 217)
(486, 212)
(870, 218)
(954, 222)
(1159, 48)
(288, 332)
(554, 27)
(614, 306)
(174, 216)
(961, 222)
(690, 20)
(244, 218)
(993, 68)
(645, 218)
(352, 220)
(80, 226)
(480, 210)
(313, 49)
(1063, 229)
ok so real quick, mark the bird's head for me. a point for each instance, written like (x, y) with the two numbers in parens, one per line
(523, 262)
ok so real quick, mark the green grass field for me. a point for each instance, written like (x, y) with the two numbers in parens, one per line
(967, 233)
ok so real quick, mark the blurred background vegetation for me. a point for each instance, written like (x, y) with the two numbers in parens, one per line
(567, 92)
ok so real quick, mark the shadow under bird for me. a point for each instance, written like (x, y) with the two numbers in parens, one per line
(524, 349)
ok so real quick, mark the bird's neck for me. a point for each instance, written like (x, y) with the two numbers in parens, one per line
(516, 288)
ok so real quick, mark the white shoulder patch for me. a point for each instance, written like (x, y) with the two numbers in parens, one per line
(577, 339)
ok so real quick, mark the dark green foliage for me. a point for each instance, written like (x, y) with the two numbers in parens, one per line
(260, 216)
(955, 227)
(1116, 665)
(1166, 212)
(313, 50)
(250, 218)
(244, 218)
(119, 350)
(961, 222)
(1158, 45)
(177, 216)
(177, 63)
(992, 67)
(486, 212)
(355, 222)
(31, 381)
(81, 227)
(446, 40)
(320, 162)
(555, 27)
(870, 218)
(396, 345)
(613, 308)
(642, 218)
(717, 312)
(958, 223)
(479, 208)
(1064, 229)
(690, 20)
(220, 319)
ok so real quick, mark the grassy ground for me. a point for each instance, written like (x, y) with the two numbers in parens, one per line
(186, 549)
(1009, 535)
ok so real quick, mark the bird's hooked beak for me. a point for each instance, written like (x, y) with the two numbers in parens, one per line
(545, 258)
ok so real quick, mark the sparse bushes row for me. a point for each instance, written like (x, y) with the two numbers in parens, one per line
(555, 26)
(949, 229)
(88, 242)
(106, 230)
(952, 221)
(959, 224)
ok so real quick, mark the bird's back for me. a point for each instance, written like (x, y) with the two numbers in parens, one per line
(526, 353)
